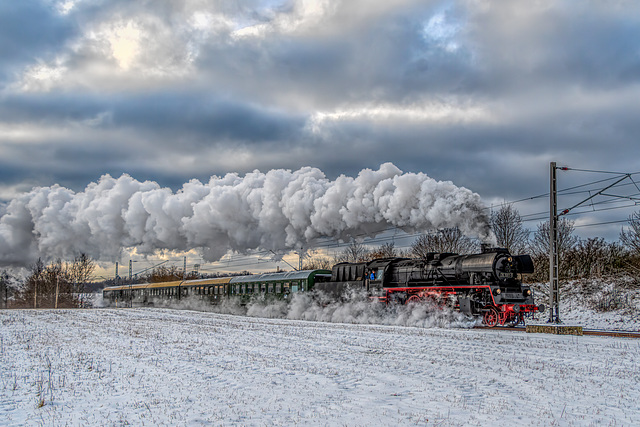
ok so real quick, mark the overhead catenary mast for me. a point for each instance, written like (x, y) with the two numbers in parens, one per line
(554, 312)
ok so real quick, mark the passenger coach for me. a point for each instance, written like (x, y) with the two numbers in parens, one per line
(275, 285)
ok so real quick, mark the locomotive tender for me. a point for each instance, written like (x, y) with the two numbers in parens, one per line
(485, 284)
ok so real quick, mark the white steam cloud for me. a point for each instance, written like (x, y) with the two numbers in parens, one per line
(354, 307)
(278, 210)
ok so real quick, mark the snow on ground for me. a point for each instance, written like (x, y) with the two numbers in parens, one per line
(611, 303)
(146, 366)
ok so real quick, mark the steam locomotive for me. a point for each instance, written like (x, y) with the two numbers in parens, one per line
(483, 285)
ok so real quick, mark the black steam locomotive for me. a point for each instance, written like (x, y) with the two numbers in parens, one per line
(485, 284)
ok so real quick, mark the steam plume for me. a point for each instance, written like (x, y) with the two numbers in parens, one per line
(278, 210)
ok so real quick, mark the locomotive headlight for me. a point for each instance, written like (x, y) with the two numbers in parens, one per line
(527, 292)
(510, 259)
(497, 291)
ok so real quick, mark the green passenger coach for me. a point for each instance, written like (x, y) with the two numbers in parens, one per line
(268, 285)
(277, 284)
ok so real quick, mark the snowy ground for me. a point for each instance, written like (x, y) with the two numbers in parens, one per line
(168, 367)
(608, 304)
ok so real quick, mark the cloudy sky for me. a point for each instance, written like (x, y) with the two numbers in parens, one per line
(481, 93)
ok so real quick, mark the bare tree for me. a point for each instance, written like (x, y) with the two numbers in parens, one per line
(387, 250)
(539, 247)
(80, 272)
(317, 263)
(631, 237)
(446, 240)
(566, 239)
(355, 252)
(50, 286)
(166, 274)
(510, 233)
(7, 288)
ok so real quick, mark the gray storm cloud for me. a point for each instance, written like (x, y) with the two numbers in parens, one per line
(279, 210)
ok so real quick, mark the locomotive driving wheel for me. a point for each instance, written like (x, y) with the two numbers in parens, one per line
(515, 321)
(491, 318)
(413, 299)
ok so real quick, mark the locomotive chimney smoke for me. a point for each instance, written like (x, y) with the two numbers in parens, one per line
(279, 210)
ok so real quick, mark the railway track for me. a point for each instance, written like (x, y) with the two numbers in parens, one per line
(592, 332)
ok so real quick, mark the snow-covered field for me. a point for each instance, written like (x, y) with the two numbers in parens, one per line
(168, 367)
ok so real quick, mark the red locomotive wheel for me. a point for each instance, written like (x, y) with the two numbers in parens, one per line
(515, 320)
(491, 318)
(414, 299)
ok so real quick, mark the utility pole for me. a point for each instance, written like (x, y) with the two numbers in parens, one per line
(554, 312)
(57, 290)
(300, 259)
(130, 287)
(184, 269)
